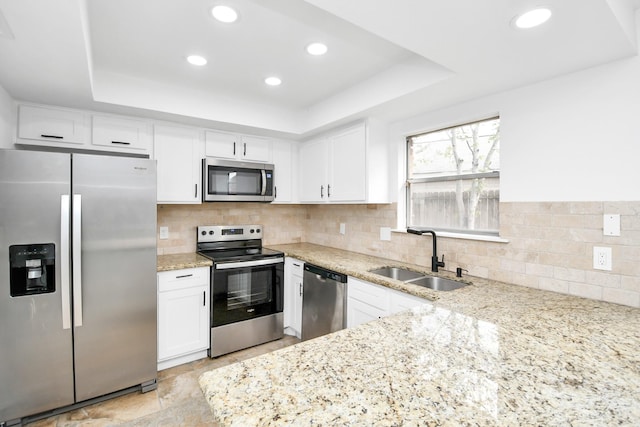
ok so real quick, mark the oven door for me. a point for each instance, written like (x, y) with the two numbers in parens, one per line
(225, 180)
(245, 290)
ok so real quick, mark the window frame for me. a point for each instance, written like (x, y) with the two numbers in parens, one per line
(451, 232)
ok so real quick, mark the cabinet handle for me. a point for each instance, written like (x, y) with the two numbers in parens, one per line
(245, 149)
(52, 136)
(322, 191)
(275, 192)
(296, 265)
(121, 142)
(328, 191)
(300, 289)
(184, 276)
(196, 192)
(204, 298)
(234, 148)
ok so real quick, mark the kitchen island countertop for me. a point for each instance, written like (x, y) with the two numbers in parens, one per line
(488, 354)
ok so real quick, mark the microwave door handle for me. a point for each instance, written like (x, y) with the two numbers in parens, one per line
(264, 182)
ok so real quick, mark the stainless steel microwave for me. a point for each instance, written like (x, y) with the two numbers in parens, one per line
(236, 181)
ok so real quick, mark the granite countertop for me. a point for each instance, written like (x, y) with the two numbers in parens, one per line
(180, 261)
(488, 354)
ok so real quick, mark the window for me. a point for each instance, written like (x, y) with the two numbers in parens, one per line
(453, 178)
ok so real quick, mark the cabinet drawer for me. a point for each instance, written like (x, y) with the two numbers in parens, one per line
(373, 295)
(182, 279)
(55, 126)
(296, 266)
(121, 134)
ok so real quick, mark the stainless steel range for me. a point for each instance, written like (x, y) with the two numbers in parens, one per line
(247, 284)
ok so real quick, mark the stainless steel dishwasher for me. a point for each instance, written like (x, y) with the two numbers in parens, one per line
(324, 301)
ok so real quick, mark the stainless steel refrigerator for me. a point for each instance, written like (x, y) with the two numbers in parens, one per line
(77, 279)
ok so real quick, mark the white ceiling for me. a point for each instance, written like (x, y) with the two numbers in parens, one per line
(389, 58)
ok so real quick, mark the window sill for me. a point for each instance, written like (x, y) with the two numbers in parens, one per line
(482, 238)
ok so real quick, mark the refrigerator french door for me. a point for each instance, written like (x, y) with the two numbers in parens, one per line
(77, 279)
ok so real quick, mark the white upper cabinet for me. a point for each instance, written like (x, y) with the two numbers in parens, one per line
(285, 189)
(238, 147)
(120, 134)
(82, 130)
(52, 126)
(346, 166)
(178, 152)
(313, 167)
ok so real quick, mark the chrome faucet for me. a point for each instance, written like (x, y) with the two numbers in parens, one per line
(435, 262)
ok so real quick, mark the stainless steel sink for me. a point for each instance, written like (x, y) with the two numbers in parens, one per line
(438, 283)
(397, 273)
(420, 279)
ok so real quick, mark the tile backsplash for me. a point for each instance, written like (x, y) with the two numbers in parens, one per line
(550, 244)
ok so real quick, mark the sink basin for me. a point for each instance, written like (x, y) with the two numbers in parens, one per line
(397, 273)
(420, 279)
(437, 283)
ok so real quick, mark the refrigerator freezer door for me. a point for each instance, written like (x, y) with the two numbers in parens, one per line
(36, 360)
(116, 345)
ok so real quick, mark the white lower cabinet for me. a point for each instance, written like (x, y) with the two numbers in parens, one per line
(293, 273)
(183, 316)
(367, 301)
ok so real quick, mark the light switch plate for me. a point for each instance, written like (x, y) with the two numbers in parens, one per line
(343, 228)
(611, 224)
(164, 233)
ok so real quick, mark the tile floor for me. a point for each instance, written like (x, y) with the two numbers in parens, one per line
(178, 400)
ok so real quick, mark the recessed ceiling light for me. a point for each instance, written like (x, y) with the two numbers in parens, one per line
(224, 14)
(273, 81)
(533, 18)
(317, 49)
(196, 60)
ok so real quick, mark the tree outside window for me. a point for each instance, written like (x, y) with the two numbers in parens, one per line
(453, 178)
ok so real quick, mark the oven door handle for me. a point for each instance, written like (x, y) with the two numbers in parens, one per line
(243, 264)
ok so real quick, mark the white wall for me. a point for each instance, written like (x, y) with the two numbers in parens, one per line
(571, 138)
(7, 119)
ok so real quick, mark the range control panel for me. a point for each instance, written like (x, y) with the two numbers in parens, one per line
(222, 233)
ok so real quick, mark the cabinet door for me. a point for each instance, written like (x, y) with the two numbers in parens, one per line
(222, 145)
(120, 134)
(178, 154)
(255, 149)
(313, 171)
(183, 321)
(294, 270)
(399, 301)
(283, 175)
(347, 166)
(52, 126)
(359, 312)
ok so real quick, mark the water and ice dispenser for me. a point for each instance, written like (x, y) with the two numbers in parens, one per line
(32, 269)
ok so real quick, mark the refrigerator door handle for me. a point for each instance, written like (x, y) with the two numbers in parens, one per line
(65, 289)
(77, 260)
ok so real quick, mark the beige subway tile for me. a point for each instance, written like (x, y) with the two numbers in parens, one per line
(570, 274)
(630, 283)
(621, 296)
(585, 291)
(539, 270)
(554, 285)
(593, 208)
(603, 279)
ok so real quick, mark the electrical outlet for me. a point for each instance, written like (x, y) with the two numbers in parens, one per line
(164, 233)
(343, 228)
(602, 258)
